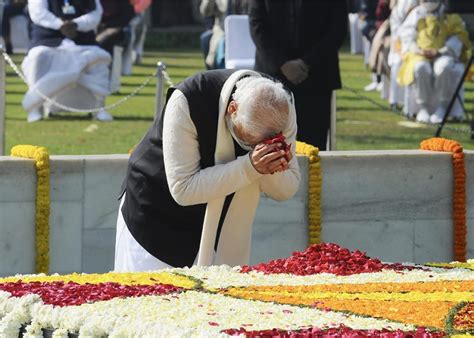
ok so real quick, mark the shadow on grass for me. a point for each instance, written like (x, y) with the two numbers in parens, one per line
(175, 54)
(54, 118)
(174, 66)
(89, 117)
(385, 139)
(135, 85)
(133, 118)
(139, 74)
(119, 95)
(356, 108)
(15, 92)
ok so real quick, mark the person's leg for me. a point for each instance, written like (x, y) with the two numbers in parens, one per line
(423, 89)
(130, 256)
(447, 76)
(36, 64)
(313, 113)
(220, 55)
(96, 78)
(396, 96)
(205, 39)
(9, 11)
(374, 84)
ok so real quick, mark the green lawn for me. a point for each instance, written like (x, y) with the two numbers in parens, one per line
(361, 124)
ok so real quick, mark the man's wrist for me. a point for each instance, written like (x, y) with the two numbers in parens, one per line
(250, 170)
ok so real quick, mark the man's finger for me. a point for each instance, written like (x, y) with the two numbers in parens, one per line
(277, 165)
(266, 149)
(272, 156)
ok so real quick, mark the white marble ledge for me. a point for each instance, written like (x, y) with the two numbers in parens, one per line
(387, 153)
(89, 157)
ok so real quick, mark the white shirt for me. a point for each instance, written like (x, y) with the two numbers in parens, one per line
(42, 16)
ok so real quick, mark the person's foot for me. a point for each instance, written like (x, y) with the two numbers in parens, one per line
(423, 116)
(394, 107)
(435, 119)
(34, 116)
(438, 116)
(103, 115)
(379, 87)
(371, 87)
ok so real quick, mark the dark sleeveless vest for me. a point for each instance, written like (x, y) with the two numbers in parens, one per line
(41, 36)
(168, 231)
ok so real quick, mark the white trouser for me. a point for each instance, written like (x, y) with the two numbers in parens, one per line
(396, 93)
(130, 256)
(436, 82)
(52, 70)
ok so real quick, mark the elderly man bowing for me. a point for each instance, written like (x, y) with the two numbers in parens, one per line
(200, 170)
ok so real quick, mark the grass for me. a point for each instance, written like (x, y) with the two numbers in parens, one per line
(78, 134)
(361, 124)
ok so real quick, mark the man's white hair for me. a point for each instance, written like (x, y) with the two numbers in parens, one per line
(262, 107)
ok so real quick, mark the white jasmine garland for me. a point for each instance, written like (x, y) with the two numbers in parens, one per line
(33, 330)
(194, 314)
(19, 315)
(199, 313)
(6, 303)
(60, 333)
(217, 277)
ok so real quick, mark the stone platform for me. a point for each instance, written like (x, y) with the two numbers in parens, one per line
(395, 205)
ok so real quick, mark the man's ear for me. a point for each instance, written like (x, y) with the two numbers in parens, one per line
(232, 108)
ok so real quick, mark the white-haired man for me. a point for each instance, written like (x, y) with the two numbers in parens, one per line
(203, 164)
(434, 45)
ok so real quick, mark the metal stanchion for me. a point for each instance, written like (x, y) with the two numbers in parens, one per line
(2, 102)
(160, 87)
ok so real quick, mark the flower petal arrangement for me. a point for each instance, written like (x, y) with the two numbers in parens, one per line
(324, 291)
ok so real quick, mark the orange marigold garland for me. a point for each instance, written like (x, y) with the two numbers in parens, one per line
(459, 191)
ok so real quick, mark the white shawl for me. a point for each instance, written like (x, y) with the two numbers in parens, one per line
(235, 236)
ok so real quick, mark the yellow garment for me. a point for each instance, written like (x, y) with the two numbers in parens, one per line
(470, 74)
(432, 34)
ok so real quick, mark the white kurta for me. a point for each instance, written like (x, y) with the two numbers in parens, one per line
(189, 184)
(50, 70)
(42, 16)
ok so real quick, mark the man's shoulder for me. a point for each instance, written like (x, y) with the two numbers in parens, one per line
(205, 80)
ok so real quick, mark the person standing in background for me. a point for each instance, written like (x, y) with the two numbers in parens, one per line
(297, 42)
(11, 9)
(216, 9)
